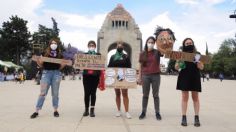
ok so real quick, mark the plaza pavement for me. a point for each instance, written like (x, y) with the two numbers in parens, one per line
(17, 102)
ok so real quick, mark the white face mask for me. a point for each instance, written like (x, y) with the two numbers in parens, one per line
(150, 45)
(91, 49)
(53, 46)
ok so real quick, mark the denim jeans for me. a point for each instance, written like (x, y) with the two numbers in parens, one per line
(49, 78)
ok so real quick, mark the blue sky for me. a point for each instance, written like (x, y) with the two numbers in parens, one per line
(206, 21)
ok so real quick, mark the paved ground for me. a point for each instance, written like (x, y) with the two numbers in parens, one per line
(17, 101)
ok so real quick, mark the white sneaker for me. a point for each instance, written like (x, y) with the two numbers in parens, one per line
(118, 114)
(128, 116)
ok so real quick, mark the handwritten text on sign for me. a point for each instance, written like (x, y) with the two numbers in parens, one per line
(88, 61)
(191, 57)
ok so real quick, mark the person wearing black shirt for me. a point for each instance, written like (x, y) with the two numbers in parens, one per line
(121, 60)
(189, 80)
(51, 77)
(90, 82)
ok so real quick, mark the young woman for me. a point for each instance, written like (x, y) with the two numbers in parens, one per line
(189, 80)
(150, 76)
(90, 82)
(150, 67)
(121, 60)
(51, 77)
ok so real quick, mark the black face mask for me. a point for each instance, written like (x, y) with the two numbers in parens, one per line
(188, 48)
(119, 49)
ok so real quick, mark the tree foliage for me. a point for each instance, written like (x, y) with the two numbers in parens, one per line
(14, 39)
(44, 34)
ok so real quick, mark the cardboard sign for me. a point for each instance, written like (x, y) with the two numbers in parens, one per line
(184, 56)
(122, 78)
(88, 61)
(52, 60)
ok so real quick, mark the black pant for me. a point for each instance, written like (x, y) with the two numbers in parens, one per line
(90, 88)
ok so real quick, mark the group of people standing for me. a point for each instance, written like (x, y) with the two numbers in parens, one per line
(149, 76)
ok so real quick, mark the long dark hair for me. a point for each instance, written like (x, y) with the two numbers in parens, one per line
(48, 49)
(144, 56)
(194, 49)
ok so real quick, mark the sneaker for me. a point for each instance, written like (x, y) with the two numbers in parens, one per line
(34, 115)
(118, 114)
(184, 120)
(196, 121)
(158, 116)
(128, 116)
(56, 114)
(142, 116)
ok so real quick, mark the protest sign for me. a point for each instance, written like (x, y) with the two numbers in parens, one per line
(122, 78)
(190, 57)
(88, 61)
(52, 60)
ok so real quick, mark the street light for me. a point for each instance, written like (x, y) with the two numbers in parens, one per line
(233, 15)
(17, 47)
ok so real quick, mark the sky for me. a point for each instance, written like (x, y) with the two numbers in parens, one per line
(205, 21)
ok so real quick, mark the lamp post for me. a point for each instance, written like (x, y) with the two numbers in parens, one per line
(233, 16)
(17, 47)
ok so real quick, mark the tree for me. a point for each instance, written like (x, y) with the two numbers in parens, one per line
(15, 39)
(224, 60)
(44, 34)
(55, 29)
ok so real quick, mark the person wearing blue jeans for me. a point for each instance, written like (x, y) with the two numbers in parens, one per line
(51, 77)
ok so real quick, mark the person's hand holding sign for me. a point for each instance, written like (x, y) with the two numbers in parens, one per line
(38, 60)
(200, 65)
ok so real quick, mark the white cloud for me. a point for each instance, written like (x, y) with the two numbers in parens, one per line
(197, 2)
(214, 1)
(191, 2)
(85, 22)
(77, 38)
(76, 20)
(75, 29)
(23, 8)
(201, 22)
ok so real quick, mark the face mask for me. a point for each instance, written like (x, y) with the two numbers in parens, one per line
(91, 49)
(53, 46)
(150, 45)
(120, 49)
(188, 48)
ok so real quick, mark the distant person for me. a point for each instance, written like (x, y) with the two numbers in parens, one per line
(232, 76)
(221, 77)
(51, 77)
(21, 77)
(207, 76)
(203, 77)
(121, 60)
(1, 76)
(189, 79)
(90, 81)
